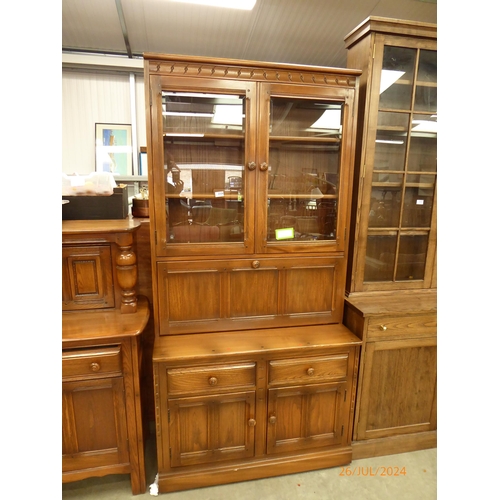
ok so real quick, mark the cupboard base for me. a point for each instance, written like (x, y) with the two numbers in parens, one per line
(394, 445)
(250, 470)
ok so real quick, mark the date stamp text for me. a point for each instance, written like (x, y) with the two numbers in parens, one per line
(372, 471)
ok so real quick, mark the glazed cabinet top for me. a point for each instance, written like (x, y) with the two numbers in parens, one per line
(247, 157)
(393, 240)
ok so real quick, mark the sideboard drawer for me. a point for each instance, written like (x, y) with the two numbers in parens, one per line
(97, 363)
(203, 378)
(405, 326)
(308, 370)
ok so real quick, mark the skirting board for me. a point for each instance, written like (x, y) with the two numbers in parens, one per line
(249, 470)
(394, 445)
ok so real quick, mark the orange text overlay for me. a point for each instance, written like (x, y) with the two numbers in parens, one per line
(373, 471)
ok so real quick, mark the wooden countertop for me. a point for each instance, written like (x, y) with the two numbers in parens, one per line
(81, 326)
(247, 342)
(100, 226)
(393, 303)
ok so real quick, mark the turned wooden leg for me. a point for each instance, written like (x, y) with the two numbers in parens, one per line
(126, 272)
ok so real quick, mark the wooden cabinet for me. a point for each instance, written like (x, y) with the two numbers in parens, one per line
(250, 173)
(233, 407)
(393, 239)
(250, 176)
(396, 402)
(391, 276)
(102, 349)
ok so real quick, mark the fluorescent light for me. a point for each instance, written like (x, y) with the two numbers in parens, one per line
(384, 141)
(330, 119)
(226, 114)
(183, 135)
(229, 4)
(187, 113)
(424, 126)
(388, 77)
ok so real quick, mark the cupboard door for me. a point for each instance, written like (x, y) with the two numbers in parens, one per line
(398, 388)
(214, 428)
(311, 416)
(215, 295)
(203, 166)
(94, 432)
(304, 168)
(87, 279)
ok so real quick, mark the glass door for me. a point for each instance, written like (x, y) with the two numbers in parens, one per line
(203, 167)
(404, 167)
(304, 170)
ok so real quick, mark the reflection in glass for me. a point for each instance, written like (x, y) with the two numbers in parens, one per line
(411, 257)
(303, 171)
(423, 144)
(390, 143)
(385, 204)
(397, 77)
(380, 257)
(417, 208)
(404, 166)
(204, 158)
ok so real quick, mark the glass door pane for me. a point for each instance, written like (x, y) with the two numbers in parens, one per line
(404, 167)
(303, 171)
(204, 155)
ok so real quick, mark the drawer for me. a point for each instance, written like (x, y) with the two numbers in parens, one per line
(98, 363)
(211, 377)
(308, 370)
(401, 327)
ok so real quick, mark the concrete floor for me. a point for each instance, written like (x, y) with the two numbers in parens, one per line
(367, 482)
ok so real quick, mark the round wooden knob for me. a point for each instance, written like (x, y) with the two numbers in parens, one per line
(251, 165)
(272, 420)
(255, 264)
(95, 367)
(310, 371)
(383, 328)
(212, 380)
(263, 167)
(252, 422)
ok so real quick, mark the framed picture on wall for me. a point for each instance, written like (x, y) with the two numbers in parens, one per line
(113, 148)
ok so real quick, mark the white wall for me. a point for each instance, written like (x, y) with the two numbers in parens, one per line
(98, 97)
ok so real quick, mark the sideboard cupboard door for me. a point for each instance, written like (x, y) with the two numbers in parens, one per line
(206, 429)
(87, 278)
(311, 416)
(398, 388)
(94, 424)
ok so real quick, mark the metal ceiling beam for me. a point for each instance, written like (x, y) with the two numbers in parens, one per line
(121, 17)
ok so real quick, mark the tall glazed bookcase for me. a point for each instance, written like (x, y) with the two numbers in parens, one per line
(250, 175)
(391, 279)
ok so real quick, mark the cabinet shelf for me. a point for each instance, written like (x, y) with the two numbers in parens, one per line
(315, 139)
(399, 185)
(195, 136)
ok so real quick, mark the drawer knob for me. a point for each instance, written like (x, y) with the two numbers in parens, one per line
(272, 419)
(256, 264)
(382, 327)
(252, 422)
(212, 380)
(95, 367)
(310, 371)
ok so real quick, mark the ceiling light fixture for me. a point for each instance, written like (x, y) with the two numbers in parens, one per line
(229, 4)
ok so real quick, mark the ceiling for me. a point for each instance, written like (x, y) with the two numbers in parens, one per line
(289, 31)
